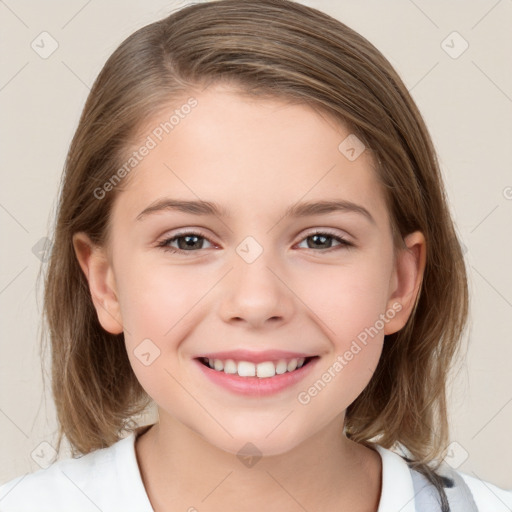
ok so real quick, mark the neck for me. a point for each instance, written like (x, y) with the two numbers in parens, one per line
(182, 471)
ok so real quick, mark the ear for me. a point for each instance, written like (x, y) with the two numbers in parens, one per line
(406, 280)
(98, 270)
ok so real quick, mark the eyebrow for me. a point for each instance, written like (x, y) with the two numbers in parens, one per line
(296, 210)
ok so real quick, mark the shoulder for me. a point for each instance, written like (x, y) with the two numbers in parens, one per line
(80, 484)
(71, 481)
(407, 490)
(488, 496)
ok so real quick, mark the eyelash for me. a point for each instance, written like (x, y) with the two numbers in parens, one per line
(164, 243)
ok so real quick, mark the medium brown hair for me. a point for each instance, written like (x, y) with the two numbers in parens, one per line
(279, 49)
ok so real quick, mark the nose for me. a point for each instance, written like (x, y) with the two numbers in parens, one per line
(256, 294)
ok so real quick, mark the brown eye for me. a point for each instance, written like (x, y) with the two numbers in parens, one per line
(323, 240)
(187, 242)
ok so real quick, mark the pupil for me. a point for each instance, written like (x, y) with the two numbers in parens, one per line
(323, 237)
(188, 244)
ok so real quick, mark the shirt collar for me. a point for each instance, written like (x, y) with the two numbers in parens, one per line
(129, 476)
(397, 493)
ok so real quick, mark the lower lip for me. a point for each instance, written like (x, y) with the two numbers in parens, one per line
(256, 386)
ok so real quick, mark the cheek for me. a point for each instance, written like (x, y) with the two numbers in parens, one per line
(155, 302)
(348, 302)
(347, 299)
(153, 298)
(159, 303)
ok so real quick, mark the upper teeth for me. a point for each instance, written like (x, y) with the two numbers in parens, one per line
(248, 369)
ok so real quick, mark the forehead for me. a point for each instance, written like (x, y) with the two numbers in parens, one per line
(249, 154)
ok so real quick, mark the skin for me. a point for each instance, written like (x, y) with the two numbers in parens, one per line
(254, 157)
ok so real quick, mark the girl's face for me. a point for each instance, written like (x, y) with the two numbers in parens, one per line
(251, 276)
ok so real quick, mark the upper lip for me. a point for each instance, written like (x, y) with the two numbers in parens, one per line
(255, 357)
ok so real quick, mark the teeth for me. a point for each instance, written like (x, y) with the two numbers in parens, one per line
(262, 370)
(246, 369)
(229, 366)
(267, 369)
(281, 367)
(292, 365)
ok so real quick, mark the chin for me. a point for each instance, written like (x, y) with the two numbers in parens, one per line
(250, 448)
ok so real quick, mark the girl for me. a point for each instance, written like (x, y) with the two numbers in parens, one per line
(253, 234)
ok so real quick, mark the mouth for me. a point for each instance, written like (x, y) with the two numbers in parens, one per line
(256, 380)
(262, 370)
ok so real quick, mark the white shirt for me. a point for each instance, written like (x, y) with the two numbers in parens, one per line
(109, 480)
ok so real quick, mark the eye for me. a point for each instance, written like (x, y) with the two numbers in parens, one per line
(321, 238)
(189, 241)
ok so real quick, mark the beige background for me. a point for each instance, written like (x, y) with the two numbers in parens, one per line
(466, 102)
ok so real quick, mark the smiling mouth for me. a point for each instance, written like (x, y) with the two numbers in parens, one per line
(264, 369)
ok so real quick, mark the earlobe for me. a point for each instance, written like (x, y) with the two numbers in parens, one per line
(100, 277)
(406, 281)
